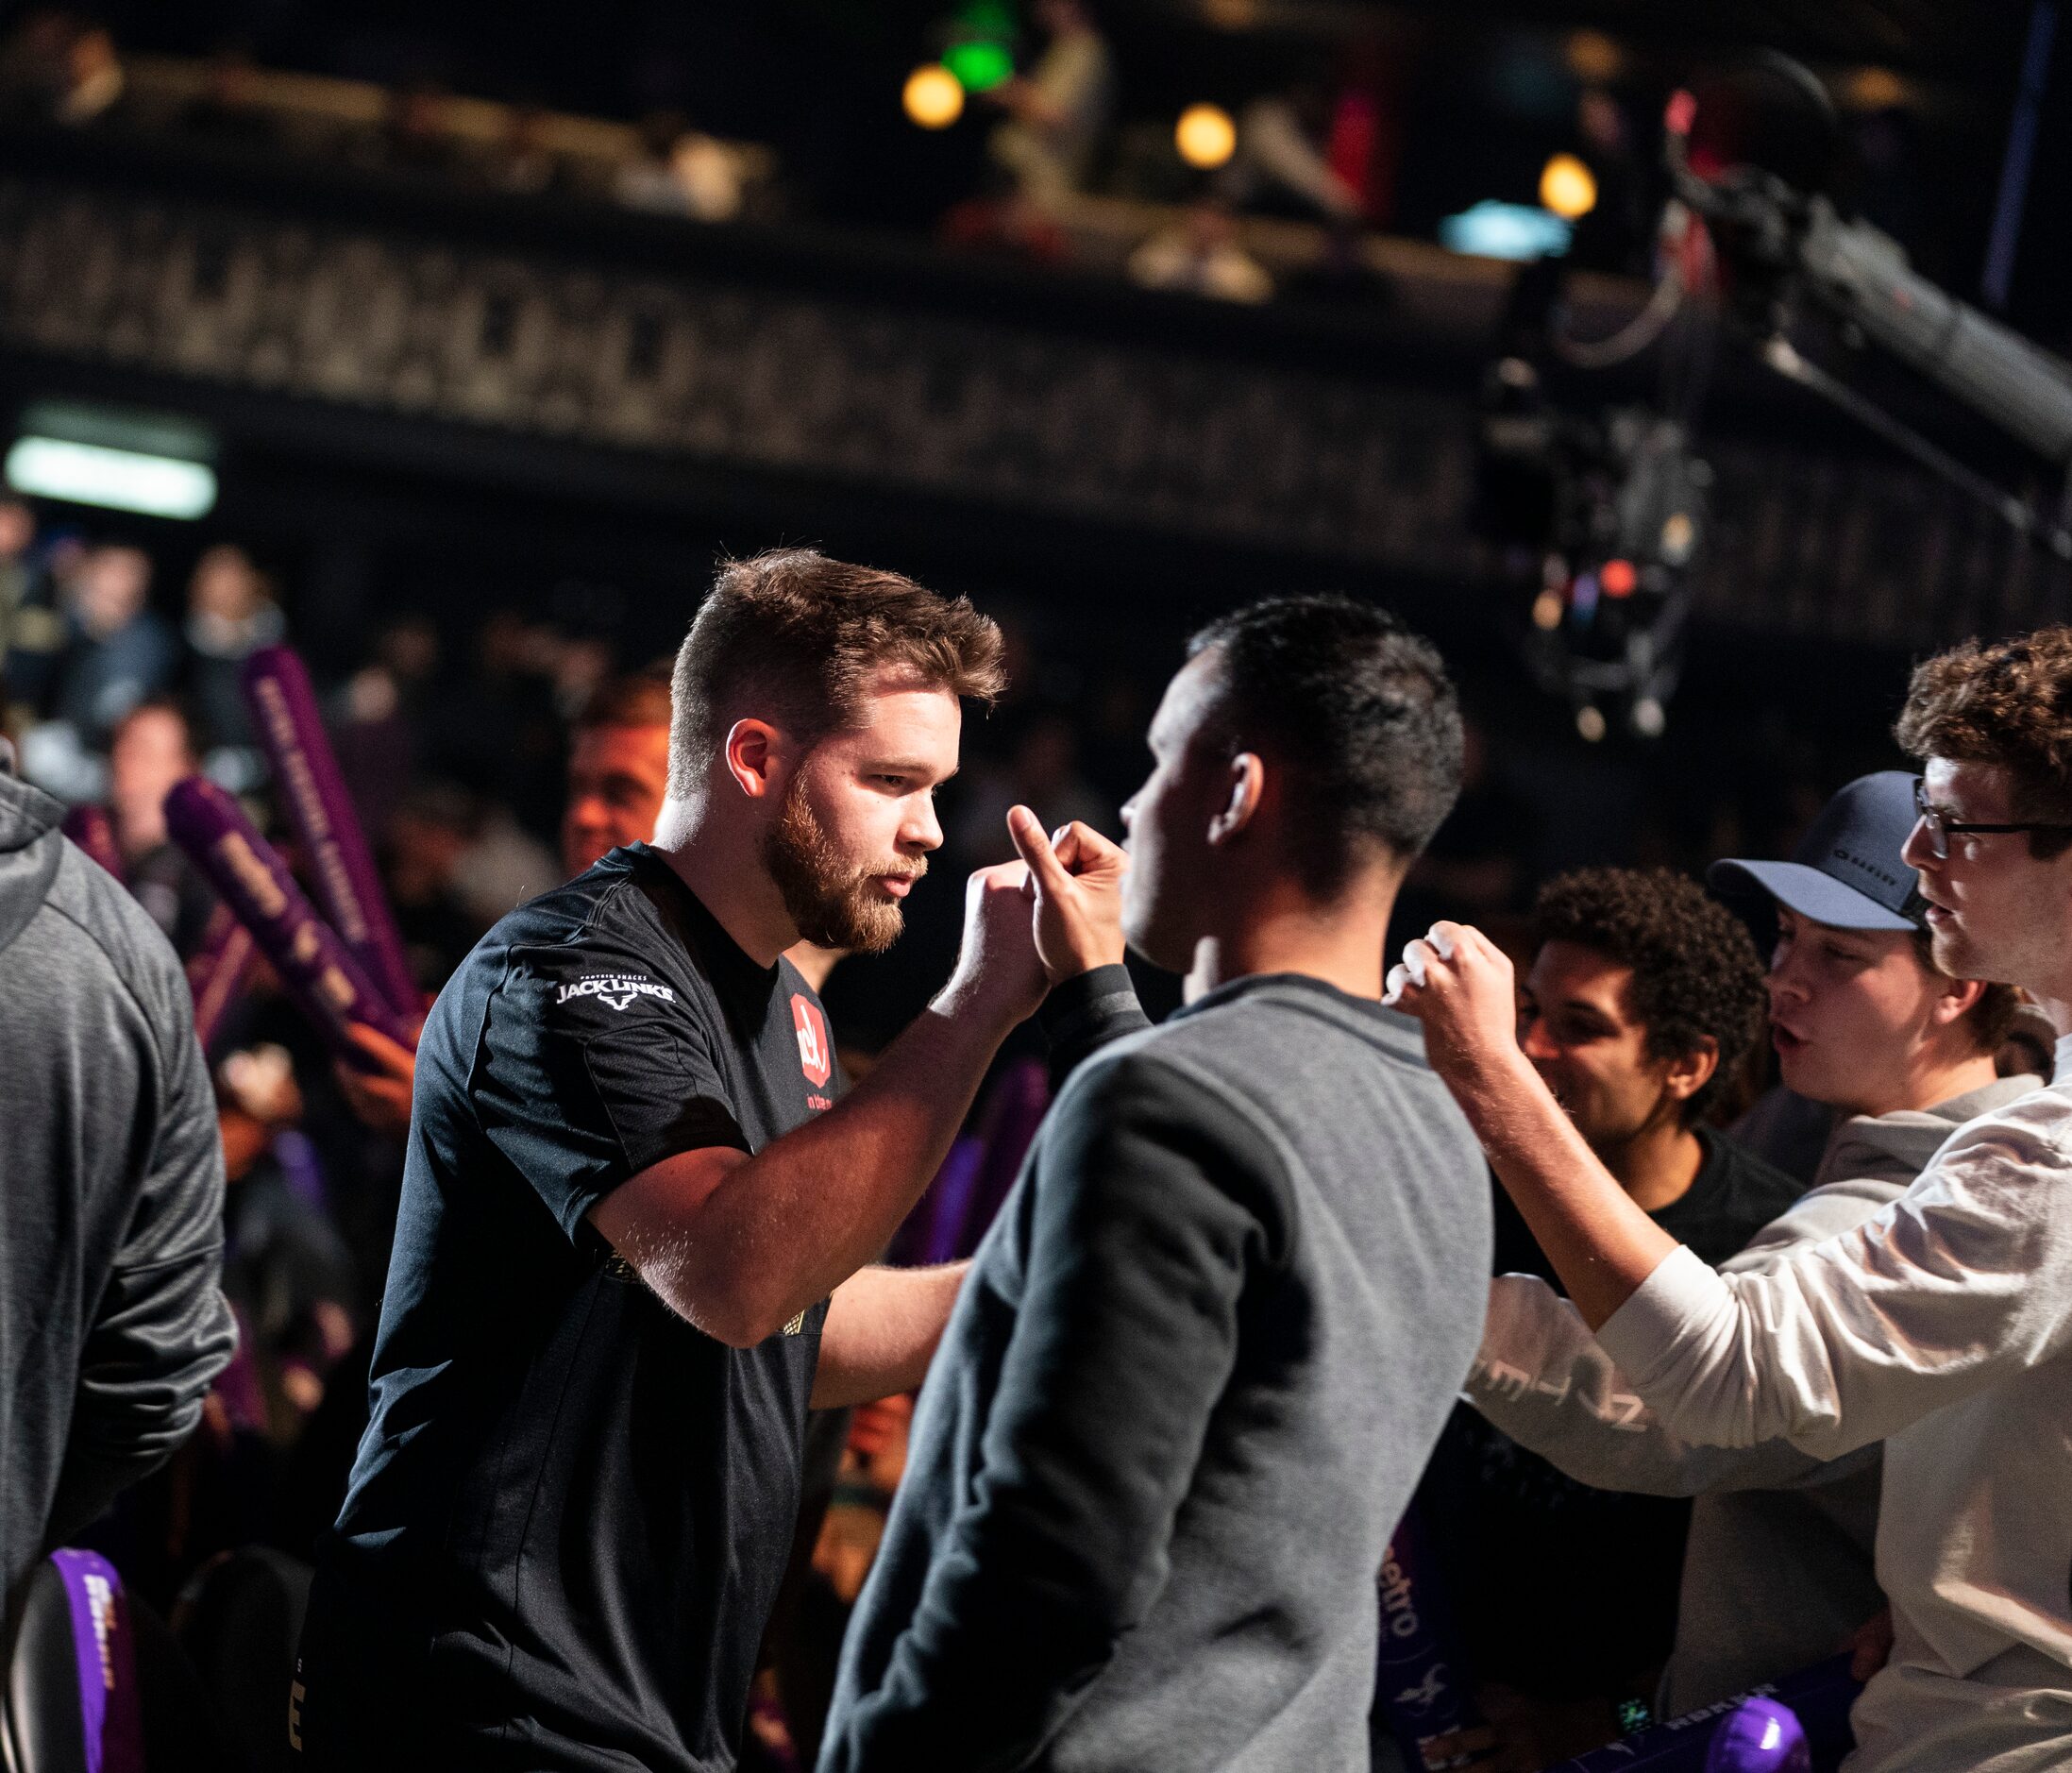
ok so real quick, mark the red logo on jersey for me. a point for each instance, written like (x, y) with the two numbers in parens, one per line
(816, 1054)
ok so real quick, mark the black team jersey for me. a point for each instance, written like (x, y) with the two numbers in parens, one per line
(570, 1510)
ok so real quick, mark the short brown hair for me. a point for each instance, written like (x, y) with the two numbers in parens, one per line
(1695, 969)
(1987, 1020)
(801, 634)
(2009, 704)
(637, 699)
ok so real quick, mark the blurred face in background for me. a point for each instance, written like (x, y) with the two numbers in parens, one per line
(617, 776)
(151, 751)
(111, 588)
(1576, 1024)
(1851, 1011)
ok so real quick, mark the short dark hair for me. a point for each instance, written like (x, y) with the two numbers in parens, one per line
(636, 698)
(2006, 704)
(1358, 710)
(1695, 969)
(802, 633)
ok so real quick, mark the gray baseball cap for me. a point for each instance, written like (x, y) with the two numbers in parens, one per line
(1847, 873)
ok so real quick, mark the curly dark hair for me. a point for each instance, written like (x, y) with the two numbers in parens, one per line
(1695, 969)
(2008, 703)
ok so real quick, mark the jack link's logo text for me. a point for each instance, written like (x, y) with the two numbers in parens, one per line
(615, 988)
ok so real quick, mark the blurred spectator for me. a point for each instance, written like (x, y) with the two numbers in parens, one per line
(94, 80)
(377, 730)
(681, 173)
(1057, 110)
(152, 749)
(231, 612)
(118, 650)
(17, 535)
(429, 837)
(1280, 163)
(110, 1306)
(1201, 254)
(1041, 771)
(619, 769)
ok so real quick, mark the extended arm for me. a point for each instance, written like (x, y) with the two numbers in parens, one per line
(882, 1325)
(1955, 1285)
(1150, 1203)
(739, 1245)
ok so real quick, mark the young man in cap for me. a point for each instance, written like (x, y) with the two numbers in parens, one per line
(1210, 1338)
(1941, 1324)
(1902, 1055)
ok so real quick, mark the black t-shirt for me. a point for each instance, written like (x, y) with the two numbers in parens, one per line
(570, 1510)
(1565, 1590)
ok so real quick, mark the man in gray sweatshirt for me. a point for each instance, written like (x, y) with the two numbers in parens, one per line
(112, 1321)
(1210, 1341)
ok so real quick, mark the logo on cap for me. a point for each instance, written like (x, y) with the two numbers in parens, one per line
(816, 1054)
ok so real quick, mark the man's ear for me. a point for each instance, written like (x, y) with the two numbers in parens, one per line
(1689, 1073)
(752, 754)
(1247, 782)
(1955, 1000)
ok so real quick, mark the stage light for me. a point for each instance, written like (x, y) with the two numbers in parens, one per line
(1546, 611)
(1205, 136)
(1649, 717)
(1504, 231)
(934, 96)
(1568, 187)
(1593, 57)
(1679, 536)
(1618, 578)
(117, 480)
(1590, 723)
(980, 63)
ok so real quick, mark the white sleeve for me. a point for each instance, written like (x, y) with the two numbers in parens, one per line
(1542, 1378)
(1964, 1280)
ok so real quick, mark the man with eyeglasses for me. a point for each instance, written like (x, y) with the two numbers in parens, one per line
(1942, 1323)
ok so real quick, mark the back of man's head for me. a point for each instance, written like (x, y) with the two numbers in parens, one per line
(1696, 974)
(797, 639)
(1357, 716)
(2008, 704)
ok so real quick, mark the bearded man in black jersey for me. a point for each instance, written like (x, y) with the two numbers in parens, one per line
(634, 1227)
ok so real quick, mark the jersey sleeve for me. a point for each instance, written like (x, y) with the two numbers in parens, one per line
(591, 1067)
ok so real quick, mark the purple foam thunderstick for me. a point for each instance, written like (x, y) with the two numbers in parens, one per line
(216, 972)
(1759, 1736)
(1422, 1688)
(316, 969)
(312, 794)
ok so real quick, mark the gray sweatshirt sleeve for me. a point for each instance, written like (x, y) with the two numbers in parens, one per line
(1083, 1013)
(162, 1330)
(1153, 1203)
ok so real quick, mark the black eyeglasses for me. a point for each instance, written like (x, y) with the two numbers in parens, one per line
(1940, 826)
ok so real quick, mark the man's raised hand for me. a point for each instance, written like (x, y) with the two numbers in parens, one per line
(1076, 884)
(1458, 983)
(999, 974)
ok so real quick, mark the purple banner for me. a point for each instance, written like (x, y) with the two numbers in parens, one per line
(316, 970)
(216, 972)
(312, 794)
(93, 832)
(110, 1718)
(1820, 1696)
(1420, 1686)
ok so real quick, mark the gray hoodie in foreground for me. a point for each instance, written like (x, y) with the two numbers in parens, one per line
(112, 1321)
(1190, 1381)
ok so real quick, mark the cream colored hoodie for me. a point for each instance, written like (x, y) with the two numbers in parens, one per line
(1942, 1326)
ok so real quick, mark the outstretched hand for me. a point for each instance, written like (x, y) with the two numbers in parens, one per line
(1075, 882)
(1458, 983)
